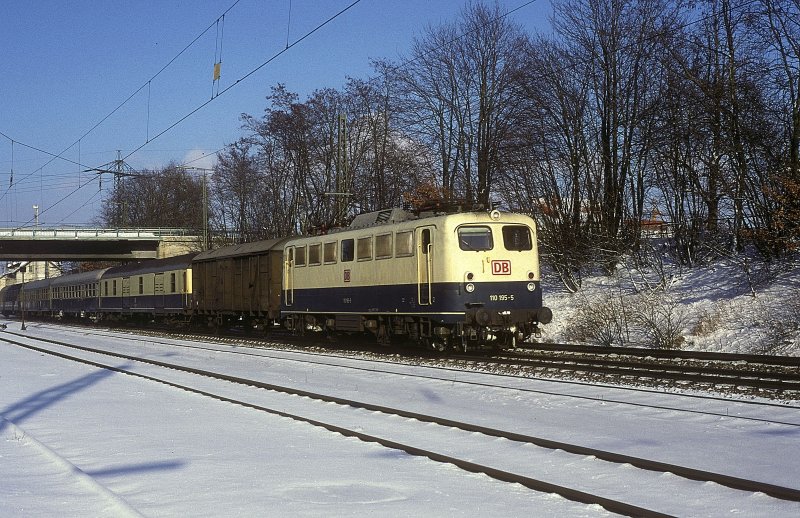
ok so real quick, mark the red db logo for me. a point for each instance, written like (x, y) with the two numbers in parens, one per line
(502, 267)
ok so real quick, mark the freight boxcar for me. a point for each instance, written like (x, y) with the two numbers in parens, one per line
(239, 284)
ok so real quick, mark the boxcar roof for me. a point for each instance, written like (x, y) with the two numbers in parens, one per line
(179, 262)
(254, 248)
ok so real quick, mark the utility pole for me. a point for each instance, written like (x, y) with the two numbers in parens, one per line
(118, 168)
(342, 180)
(205, 244)
(22, 298)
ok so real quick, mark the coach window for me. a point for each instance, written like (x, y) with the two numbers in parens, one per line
(348, 250)
(314, 254)
(475, 238)
(300, 256)
(330, 252)
(364, 248)
(383, 246)
(517, 237)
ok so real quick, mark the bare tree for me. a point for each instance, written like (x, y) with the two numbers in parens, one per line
(459, 93)
(167, 198)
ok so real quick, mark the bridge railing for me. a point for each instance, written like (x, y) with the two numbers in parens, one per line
(89, 233)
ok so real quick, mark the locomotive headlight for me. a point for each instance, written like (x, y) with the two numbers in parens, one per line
(469, 287)
(531, 286)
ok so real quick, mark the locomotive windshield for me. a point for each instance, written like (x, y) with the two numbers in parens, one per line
(517, 237)
(475, 238)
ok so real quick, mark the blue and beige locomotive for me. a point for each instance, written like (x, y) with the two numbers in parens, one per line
(445, 280)
(462, 280)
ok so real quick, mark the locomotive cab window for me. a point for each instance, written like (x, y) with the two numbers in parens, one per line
(475, 239)
(299, 256)
(517, 237)
(348, 250)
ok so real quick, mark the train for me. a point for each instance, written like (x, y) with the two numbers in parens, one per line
(442, 279)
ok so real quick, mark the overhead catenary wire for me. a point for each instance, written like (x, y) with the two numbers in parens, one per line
(248, 74)
(272, 58)
(192, 112)
(55, 156)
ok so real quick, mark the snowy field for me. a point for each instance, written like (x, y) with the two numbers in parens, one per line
(77, 440)
(725, 307)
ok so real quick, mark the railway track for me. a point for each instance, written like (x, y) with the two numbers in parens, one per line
(508, 467)
(765, 376)
(757, 375)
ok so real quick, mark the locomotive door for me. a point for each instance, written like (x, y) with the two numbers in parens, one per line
(288, 277)
(424, 265)
(126, 293)
(158, 290)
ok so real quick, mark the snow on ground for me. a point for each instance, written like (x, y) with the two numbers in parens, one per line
(76, 441)
(727, 306)
(79, 441)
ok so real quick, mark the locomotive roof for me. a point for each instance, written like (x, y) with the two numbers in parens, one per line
(254, 248)
(177, 262)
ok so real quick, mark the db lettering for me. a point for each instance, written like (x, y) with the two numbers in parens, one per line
(502, 267)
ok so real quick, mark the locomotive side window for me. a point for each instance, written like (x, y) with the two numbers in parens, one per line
(404, 244)
(141, 285)
(475, 238)
(314, 254)
(364, 248)
(330, 252)
(299, 256)
(517, 237)
(383, 246)
(348, 250)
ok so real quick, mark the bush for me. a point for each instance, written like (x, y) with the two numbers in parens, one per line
(661, 320)
(601, 321)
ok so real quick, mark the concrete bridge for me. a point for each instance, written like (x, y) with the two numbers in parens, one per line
(89, 244)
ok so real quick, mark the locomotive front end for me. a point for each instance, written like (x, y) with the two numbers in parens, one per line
(493, 264)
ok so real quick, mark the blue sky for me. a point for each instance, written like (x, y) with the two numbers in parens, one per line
(68, 65)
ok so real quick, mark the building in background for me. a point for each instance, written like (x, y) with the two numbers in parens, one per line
(34, 270)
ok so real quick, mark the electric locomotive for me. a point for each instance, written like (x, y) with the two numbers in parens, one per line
(462, 280)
